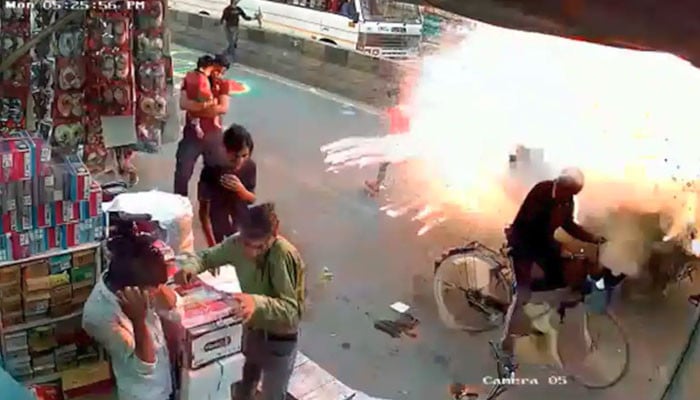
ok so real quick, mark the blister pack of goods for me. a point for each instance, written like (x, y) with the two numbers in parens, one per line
(44, 204)
(14, 82)
(151, 66)
(69, 103)
(43, 73)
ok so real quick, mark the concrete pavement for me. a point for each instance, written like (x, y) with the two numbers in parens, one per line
(376, 261)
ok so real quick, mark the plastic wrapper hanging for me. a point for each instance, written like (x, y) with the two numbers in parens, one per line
(44, 17)
(151, 18)
(172, 212)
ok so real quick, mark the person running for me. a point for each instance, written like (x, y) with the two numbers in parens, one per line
(230, 19)
(192, 146)
(399, 123)
(227, 184)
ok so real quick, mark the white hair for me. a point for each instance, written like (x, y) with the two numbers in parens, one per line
(572, 175)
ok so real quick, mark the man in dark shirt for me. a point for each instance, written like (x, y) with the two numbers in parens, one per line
(230, 19)
(227, 183)
(548, 206)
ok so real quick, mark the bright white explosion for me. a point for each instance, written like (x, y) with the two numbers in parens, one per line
(628, 119)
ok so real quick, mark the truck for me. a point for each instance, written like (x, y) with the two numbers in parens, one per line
(378, 28)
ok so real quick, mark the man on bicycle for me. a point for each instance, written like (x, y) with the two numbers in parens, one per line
(548, 206)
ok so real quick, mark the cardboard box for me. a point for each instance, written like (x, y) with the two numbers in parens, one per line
(79, 179)
(81, 294)
(36, 308)
(5, 222)
(43, 188)
(35, 269)
(212, 341)
(24, 193)
(59, 264)
(61, 310)
(10, 196)
(20, 246)
(95, 200)
(10, 274)
(17, 164)
(61, 295)
(40, 295)
(6, 253)
(38, 241)
(42, 215)
(9, 305)
(37, 284)
(10, 289)
(25, 218)
(83, 276)
(84, 258)
(70, 235)
(213, 381)
(53, 237)
(60, 279)
(12, 319)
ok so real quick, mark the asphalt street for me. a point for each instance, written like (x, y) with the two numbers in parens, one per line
(376, 261)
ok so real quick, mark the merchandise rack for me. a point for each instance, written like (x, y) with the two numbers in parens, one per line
(26, 326)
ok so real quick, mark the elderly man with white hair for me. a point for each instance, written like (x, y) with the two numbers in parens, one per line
(548, 206)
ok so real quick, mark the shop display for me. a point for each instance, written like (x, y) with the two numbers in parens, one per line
(151, 77)
(14, 82)
(45, 204)
(41, 301)
(69, 90)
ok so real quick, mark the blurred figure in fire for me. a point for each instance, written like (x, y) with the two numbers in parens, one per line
(399, 123)
(548, 206)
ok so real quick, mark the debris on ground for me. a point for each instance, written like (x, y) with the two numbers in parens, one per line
(404, 325)
(326, 275)
(400, 307)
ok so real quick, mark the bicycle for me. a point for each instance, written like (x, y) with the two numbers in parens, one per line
(489, 289)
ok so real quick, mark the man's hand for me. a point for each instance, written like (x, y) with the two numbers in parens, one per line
(246, 306)
(164, 298)
(183, 277)
(134, 303)
(232, 183)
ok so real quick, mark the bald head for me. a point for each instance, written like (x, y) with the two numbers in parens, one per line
(569, 183)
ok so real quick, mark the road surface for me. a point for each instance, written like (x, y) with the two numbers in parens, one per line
(376, 261)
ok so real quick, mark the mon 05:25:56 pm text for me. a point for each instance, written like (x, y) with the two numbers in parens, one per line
(77, 5)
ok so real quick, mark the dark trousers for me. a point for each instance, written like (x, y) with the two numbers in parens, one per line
(223, 222)
(548, 257)
(222, 209)
(231, 33)
(381, 174)
(268, 359)
(189, 149)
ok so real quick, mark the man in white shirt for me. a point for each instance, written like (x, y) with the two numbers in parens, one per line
(120, 315)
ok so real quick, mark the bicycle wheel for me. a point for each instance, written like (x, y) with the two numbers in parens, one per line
(601, 358)
(470, 289)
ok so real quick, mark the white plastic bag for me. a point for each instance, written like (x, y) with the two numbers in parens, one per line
(172, 212)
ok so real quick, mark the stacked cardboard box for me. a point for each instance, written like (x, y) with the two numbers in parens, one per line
(47, 289)
(45, 204)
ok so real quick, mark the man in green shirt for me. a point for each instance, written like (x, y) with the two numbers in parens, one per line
(271, 274)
